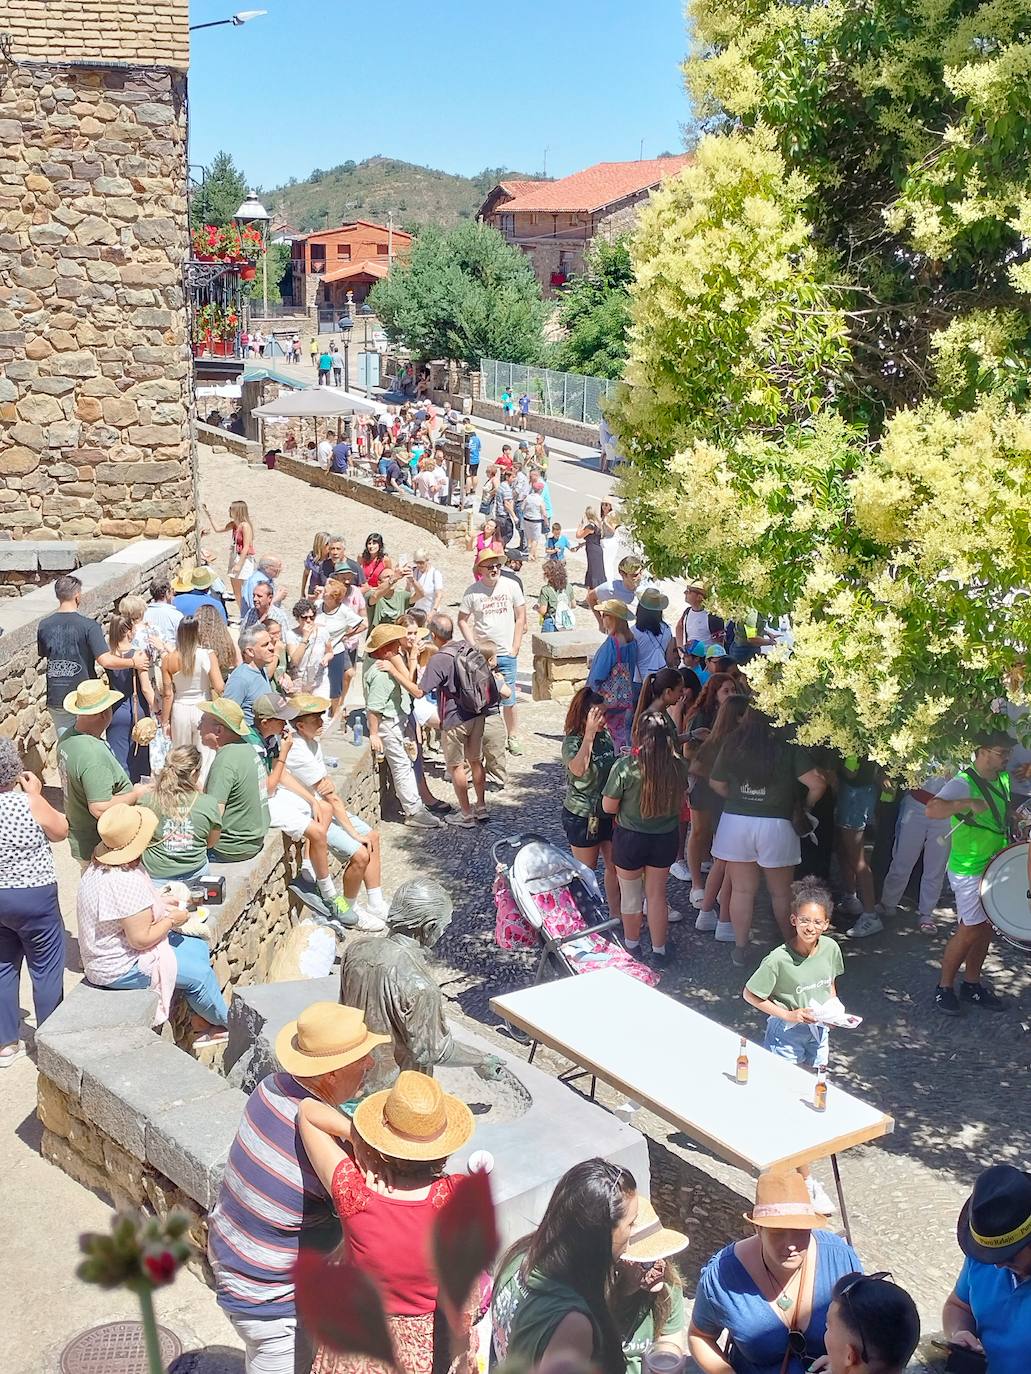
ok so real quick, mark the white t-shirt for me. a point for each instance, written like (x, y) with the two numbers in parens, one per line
(325, 454)
(534, 507)
(493, 613)
(696, 626)
(425, 485)
(651, 651)
(429, 583)
(338, 625)
(307, 765)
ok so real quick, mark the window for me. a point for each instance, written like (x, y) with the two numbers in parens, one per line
(565, 261)
(382, 249)
(506, 223)
(344, 251)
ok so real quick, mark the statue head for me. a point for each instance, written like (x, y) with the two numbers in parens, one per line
(421, 909)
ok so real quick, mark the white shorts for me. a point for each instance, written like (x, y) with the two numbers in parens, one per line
(768, 841)
(287, 812)
(967, 888)
(248, 569)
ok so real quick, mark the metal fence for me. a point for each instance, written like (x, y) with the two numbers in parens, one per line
(566, 394)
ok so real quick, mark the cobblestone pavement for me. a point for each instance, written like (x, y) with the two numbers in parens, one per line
(957, 1089)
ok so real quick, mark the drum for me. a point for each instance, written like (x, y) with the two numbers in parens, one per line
(1004, 895)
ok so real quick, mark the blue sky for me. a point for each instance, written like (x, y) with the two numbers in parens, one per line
(454, 84)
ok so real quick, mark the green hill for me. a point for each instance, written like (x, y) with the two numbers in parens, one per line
(378, 186)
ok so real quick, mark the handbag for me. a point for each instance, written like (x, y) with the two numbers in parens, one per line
(618, 687)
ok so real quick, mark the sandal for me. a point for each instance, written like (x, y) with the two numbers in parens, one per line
(927, 925)
(481, 813)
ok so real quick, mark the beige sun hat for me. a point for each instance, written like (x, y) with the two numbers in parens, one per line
(415, 1119)
(326, 1036)
(385, 634)
(90, 698)
(650, 1240)
(125, 831)
(193, 580)
(228, 712)
(488, 555)
(613, 607)
(782, 1202)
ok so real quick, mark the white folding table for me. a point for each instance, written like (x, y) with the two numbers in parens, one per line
(602, 1021)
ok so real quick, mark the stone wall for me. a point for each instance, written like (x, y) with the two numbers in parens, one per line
(211, 436)
(561, 662)
(100, 30)
(448, 525)
(24, 717)
(95, 376)
(26, 564)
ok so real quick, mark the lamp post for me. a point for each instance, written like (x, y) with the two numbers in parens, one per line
(345, 324)
(243, 17)
(253, 213)
(365, 310)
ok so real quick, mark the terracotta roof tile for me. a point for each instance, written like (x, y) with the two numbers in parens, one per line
(597, 186)
(367, 267)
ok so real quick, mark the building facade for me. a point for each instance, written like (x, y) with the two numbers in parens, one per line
(555, 222)
(95, 378)
(328, 264)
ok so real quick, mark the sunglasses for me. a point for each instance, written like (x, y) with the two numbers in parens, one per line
(845, 1296)
(309, 616)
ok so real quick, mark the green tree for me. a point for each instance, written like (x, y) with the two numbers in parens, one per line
(278, 267)
(220, 194)
(463, 294)
(595, 312)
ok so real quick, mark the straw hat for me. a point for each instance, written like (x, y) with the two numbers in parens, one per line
(383, 635)
(304, 704)
(415, 1119)
(782, 1202)
(694, 585)
(326, 1036)
(651, 599)
(273, 706)
(90, 698)
(650, 1240)
(125, 831)
(228, 712)
(487, 555)
(617, 608)
(193, 580)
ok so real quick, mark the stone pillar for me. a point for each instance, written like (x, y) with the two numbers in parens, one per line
(95, 373)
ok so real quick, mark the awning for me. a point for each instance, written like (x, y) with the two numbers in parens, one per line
(316, 402)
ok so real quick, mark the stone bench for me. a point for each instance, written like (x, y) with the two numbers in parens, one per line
(561, 662)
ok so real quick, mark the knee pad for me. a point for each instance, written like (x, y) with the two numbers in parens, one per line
(631, 894)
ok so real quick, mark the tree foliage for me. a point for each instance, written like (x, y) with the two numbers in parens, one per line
(220, 194)
(595, 312)
(463, 294)
(278, 267)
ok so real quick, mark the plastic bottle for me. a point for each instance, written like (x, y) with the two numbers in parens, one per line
(359, 731)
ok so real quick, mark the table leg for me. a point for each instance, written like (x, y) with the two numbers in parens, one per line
(533, 1051)
(841, 1199)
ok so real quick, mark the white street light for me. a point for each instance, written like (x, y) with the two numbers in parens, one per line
(253, 212)
(242, 18)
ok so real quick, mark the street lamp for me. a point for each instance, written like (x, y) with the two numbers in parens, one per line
(345, 324)
(365, 310)
(242, 18)
(253, 213)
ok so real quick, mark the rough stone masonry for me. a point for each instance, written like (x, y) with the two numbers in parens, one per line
(95, 384)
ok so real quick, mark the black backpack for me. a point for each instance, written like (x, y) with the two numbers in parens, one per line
(475, 688)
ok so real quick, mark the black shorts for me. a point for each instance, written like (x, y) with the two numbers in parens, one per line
(633, 849)
(577, 833)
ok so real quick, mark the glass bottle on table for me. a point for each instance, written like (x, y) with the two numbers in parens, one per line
(741, 1069)
(820, 1092)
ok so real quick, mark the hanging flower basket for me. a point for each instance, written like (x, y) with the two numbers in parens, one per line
(248, 271)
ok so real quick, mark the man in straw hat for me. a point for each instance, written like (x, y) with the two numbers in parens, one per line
(387, 707)
(694, 620)
(237, 780)
(92, 779)
(989, 1310)
(270, 1201)
(193, 590)
(492, 617)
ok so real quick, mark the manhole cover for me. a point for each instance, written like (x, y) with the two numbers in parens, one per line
(116, 1348)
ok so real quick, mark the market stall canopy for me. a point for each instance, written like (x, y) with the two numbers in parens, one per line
(320, 402)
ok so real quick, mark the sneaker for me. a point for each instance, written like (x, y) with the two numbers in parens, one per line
(439, 808)
(424, 820)
(664, 959)
(674, 916)
(850, 906)
(680, 871)
(697, 897)
(723, 932)
(706, 922)
(379, 908)
(868, 924)
(10, 1054)
(342, 912)
(460, 820)
(513, 746)
(946, 1001)
(739, 956)
(980, 996)
(928, 926)
(369, 922)
(819, 1197)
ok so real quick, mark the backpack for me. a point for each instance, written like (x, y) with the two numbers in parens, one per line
(564, 618)
(475, 687)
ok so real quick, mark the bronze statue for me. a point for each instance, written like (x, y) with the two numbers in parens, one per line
(389, 979)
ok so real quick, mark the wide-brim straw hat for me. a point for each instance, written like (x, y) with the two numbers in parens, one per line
(488, 555)
(385, 634)
(415, 1119)
(228, 712)
(695, 584)
(90, 698)
(193, 580)
(326, 1036)
(782, 1203)
(274, 706)
(125, 831)
(651, 599)
(613, 607)
(305, 704)
(650, 1240)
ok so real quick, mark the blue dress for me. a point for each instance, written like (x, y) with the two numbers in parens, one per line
(727, 1299)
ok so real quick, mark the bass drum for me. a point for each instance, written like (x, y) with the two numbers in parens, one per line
(1004, 895)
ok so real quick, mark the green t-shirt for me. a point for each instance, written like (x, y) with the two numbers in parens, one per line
(526, 1313)
(238, 779)
(583, 795)
(794, 980)
(390, 608)
(383, 693)
(643, 1333)
(89, 773)
(180, 843)
(772, 797)
(624, 782)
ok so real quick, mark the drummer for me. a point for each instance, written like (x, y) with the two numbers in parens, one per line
(978, 797)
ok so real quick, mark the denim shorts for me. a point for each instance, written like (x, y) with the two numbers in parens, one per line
(855, 806)
(800, 1042)
(507, 669)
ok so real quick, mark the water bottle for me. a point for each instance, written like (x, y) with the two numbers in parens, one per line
(359, 732)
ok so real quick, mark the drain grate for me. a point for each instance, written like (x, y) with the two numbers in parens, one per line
(116, 1348)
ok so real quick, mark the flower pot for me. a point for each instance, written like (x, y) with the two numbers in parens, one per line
(198, 348)
(248, 271)
(203, 257)
(221, 348)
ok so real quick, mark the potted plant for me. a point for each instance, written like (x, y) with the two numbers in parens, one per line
(252, 246)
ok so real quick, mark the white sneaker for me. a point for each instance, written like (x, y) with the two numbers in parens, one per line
(850, 906)
(868, 924)
(697, 897)
(680, 871)
(368, 922)
(706, 922)
(379, 908)
(819, 1197)
(674, 916)
(724, 932)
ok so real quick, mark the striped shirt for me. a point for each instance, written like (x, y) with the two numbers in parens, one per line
(269, 1201)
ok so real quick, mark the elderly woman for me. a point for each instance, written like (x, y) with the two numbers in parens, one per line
(129, 933)
(770, 1292)
(31, 928)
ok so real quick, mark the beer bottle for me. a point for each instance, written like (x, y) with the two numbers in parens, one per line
(820, 1094)
(741, 1071)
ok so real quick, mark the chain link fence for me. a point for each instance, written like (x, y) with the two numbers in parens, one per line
(565, 394)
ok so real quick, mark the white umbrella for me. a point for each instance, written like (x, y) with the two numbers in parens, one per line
(312, 403)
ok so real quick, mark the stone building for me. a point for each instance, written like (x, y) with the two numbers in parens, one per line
(95, 381)
(329, 263)
(554, 222)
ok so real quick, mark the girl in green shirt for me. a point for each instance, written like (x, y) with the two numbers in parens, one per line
(189, 821)
(588, 754)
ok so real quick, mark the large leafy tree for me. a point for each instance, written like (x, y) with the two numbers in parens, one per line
(465, 294)
(829, 359)
(595, 312)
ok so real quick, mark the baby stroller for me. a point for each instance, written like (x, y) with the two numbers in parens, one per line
(546, 899)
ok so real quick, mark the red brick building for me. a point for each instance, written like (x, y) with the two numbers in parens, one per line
(331, 262)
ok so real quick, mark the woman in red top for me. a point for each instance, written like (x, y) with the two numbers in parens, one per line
(388, 1185)
(241, 547)
(374, 559)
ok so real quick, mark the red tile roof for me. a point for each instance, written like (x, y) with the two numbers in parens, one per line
(353, 224)
(367, 267)
(519, 188)
(597, 186)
